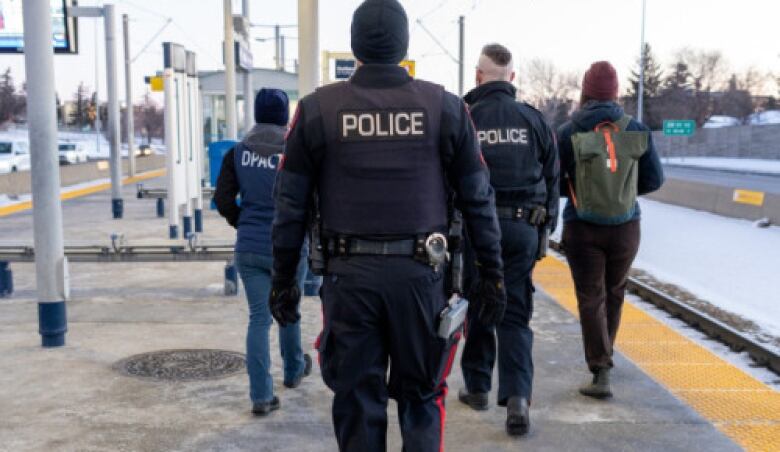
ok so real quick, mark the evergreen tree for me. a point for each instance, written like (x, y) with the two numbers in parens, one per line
(11, 103)
(653, 75)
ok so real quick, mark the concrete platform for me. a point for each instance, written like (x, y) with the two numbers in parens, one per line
(70, 398)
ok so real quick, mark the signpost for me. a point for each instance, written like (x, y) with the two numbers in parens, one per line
(679, 127)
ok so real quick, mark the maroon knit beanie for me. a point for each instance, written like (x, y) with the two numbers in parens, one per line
(600, 82)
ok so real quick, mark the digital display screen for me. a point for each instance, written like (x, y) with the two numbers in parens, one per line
(12, 27)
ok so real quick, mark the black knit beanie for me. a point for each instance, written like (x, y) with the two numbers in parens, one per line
(380, 32)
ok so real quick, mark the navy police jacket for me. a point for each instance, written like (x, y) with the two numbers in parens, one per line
(250, 170)
(519, 148)
(651, 173)
(382, 152)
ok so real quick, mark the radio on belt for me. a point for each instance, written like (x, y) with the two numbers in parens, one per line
(452, 317)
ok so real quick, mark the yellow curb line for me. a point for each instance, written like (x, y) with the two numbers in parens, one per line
(77, 193)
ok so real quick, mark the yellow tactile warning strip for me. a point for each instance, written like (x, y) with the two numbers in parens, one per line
(740, 406)
(79, 192)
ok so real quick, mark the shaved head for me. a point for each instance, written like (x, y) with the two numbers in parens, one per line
(495, 64)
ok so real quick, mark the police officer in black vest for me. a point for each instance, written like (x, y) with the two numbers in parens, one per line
(521, 154)
(381, 153)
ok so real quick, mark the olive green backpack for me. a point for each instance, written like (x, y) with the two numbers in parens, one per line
(607, 168)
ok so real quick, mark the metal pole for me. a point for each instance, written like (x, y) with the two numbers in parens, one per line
(249, 98)
(282, 52)
(230, 73)
(97, 92)
(129, 111)
(277, 46)
(50, 263)
(115, 155)
(461, 51)
(641, 91)
(308, 46)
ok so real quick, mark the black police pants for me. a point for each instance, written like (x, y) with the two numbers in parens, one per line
(381, 311)
(515, 339)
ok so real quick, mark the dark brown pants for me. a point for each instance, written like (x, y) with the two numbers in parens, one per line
(600, 258)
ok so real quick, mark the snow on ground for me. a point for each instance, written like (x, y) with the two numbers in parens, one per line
(733, 164)
(727, 262)
(96, 147)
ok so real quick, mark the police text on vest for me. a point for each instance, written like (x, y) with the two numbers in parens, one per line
(382, 125)
(503, 136)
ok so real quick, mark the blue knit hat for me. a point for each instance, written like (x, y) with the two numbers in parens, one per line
(272, 107)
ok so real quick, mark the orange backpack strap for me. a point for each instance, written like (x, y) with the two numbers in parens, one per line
(571, 191)
(607, 128)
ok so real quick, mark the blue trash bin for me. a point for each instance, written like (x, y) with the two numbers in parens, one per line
(217, 151)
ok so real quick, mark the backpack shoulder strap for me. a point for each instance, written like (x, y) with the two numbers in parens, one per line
(623, 122)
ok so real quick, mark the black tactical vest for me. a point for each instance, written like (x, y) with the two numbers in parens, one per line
(381, 173)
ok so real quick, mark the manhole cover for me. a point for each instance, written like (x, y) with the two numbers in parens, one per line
(182, 365)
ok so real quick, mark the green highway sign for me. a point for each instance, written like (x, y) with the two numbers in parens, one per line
(679, 127)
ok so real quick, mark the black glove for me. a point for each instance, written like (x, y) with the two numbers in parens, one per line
(490, 295)
(283, 301)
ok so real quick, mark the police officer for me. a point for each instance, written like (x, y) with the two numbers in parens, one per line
(380, 152)
(521, 154)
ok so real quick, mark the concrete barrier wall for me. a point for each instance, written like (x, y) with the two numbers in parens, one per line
(762, 142)
(715, 199)
(19, 183)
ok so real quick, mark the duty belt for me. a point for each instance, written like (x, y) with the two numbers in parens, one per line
(534, 215)
(351, 246)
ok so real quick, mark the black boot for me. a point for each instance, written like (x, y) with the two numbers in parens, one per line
(264, 408)
(306, 372)
(476, 400)
(599, 387)
(518, 420)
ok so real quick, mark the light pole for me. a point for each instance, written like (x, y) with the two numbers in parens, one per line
(641, 91)
(308, 46)
(230, 73)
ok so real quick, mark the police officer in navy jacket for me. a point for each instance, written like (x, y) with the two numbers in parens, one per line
(520, 151)
(382, 152)
(249, 170)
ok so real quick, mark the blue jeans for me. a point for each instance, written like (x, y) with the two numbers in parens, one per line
(255, 271)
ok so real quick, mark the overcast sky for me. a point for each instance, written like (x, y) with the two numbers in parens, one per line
(570, 33)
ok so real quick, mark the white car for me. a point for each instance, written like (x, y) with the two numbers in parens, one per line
(720, 121)
(72, 153)
(14, 156)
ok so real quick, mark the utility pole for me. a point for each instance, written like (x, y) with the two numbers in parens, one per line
(641, 91)
(249, 97)
(308, 46)
(129, 100)
(461, 51)
(115, 155)
(50, 262)
(284, 60)
(230, 73)
(278, 47)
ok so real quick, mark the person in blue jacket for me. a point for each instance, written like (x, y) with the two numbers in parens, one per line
(600, 254)
(249, 170)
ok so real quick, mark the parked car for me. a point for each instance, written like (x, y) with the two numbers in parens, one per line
(72, 153)
(140, 151)
(718, 121)
(764, 117)
(14, 156)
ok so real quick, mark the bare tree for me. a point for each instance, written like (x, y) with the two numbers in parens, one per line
(548, 89)
(149, 119)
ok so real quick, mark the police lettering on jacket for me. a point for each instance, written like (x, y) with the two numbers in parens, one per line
(382, 125)
(503, 136)
(253, 160)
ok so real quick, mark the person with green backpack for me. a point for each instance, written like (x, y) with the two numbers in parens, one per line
(607, 160)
